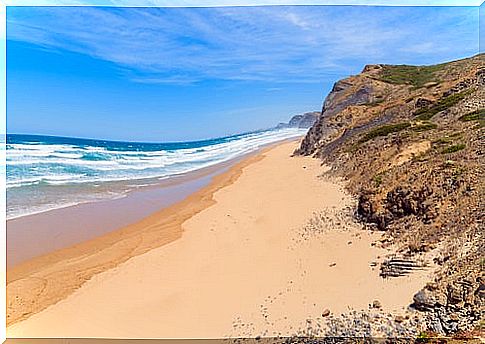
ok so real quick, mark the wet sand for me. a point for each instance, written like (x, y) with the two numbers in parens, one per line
(259, 251)
(38, 234)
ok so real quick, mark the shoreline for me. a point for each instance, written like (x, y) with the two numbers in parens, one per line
(231, 260)
(130, 186)
(109, 175)
(33, 235)
(122, 236)
(93, 219)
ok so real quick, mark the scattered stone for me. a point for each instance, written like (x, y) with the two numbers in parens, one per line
(454, 317)
(376, 304)
(325, 313)
(426, 300)
(432, 201)
(431, 286)
(422, 102)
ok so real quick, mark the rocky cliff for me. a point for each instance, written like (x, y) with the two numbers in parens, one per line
(305, 120)
(409, 140)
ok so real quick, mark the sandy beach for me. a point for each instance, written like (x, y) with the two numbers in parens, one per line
(39, 234)
(261, 250)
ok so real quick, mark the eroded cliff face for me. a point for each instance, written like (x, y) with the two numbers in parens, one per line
(305, 120)
(337, 112)
(409, 140)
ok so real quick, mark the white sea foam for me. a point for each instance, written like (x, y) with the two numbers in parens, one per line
(54, 174)
(31, 164)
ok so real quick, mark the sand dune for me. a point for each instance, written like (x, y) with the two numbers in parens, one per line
(274, 250)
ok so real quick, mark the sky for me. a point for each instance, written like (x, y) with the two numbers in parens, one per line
(175, 74)
(482, 28)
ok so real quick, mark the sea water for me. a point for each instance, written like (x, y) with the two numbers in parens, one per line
(49, 172)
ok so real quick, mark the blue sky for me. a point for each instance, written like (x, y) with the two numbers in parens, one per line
(165, 74)
(482, 27)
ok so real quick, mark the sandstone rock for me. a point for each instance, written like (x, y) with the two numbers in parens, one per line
(403, 201)
(455, 294)
(428, 202)
(422, 102)
(481, 291)
(376, 304)
(426, 300)
(431, 84)
(371, 68)
(454, 317)
(432, 286)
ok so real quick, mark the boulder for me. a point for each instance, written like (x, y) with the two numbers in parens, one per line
(427, 300)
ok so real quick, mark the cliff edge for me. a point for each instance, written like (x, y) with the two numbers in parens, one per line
(305, 120)
(409, 140)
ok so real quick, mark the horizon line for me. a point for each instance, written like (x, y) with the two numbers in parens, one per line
(5, 135)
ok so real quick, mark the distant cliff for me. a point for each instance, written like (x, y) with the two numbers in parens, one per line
(305, 120)
(410, 142)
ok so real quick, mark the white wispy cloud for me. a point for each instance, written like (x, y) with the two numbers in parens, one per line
(278, 44)
(220, 3)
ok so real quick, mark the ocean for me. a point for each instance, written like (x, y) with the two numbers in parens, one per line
(49, 172)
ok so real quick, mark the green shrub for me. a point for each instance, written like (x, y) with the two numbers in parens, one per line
(456, 134)
(384, 131)
(444, 103)
(442, 141)
(378, 180)
(454, 148)
(423, 335)
(478, 115)
(416, 76)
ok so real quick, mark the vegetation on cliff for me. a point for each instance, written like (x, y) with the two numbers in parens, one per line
(409, 140)
(417, 76)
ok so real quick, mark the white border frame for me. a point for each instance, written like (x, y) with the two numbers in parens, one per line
(150, 3)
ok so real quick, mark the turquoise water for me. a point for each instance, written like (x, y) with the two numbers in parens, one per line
(47, 172)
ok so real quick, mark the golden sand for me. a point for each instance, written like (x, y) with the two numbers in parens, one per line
(259, 251)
